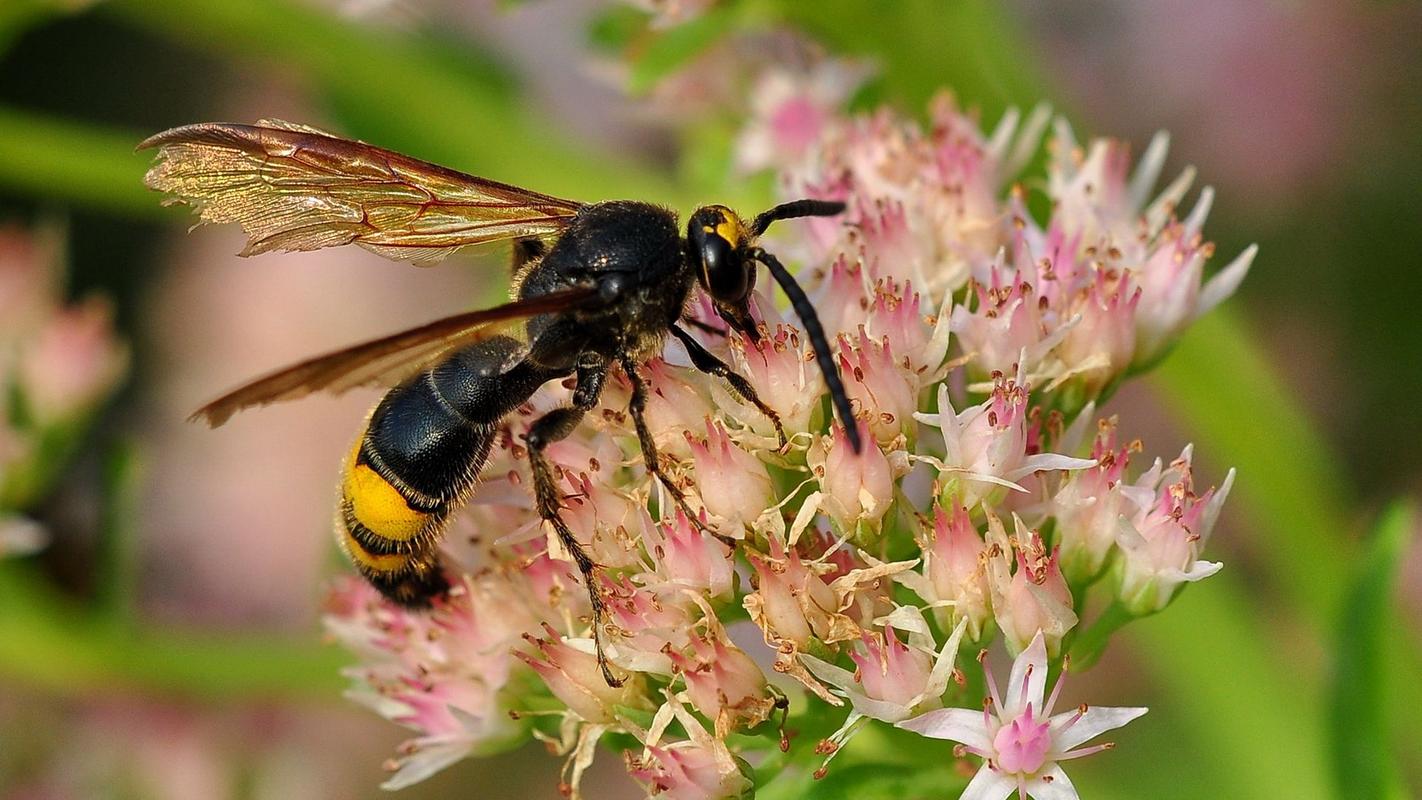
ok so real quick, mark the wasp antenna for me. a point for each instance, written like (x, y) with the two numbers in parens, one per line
(805, 310)
(796, 208)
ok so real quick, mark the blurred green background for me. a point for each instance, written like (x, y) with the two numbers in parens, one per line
(165, 644)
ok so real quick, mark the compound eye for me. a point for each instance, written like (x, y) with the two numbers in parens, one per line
(725, 275)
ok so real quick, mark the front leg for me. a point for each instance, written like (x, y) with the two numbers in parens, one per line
(704, 360)
(555, 426)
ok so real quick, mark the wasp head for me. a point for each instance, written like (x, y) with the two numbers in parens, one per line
(718, 241)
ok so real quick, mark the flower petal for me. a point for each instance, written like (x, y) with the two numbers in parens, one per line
(988, 784)
(1059, 787)
(1028, 681)
(1096, 721)
(956, 724)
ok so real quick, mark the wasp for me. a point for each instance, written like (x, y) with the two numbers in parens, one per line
(595, 287)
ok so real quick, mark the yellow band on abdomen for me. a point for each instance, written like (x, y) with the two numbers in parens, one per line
(370, 562)
(379, 506)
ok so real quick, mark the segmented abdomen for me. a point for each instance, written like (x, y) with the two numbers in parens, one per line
(406, 473)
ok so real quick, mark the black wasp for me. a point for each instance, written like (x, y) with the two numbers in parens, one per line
(595, 286)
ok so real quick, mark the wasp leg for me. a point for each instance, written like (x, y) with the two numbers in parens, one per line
(704, 360)
(638, 407)
(547, 429)
(704, 326)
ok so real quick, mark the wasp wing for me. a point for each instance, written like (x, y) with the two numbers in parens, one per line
(294, 187)
(389, 359)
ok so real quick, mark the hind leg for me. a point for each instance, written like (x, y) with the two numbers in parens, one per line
(547, 429)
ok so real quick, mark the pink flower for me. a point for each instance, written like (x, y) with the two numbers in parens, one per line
(882, 391)
(674, 406)
(985, 447)
(782, 369)
(570, 669)
(857, 488)
(954, 576)
(734, 485)
(685, 555)
(697, 768)
(73, 363)
(790, 109)
(1020, 741)
(792, 602)
(1162, 539)
(1035, 597)
(1100, 346)
(1088, 505)
(722, 682)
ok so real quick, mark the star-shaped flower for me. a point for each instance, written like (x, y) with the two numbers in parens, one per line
(1019, 740)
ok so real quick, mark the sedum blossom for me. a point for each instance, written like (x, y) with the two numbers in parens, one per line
(975, 339)
(1019, 739)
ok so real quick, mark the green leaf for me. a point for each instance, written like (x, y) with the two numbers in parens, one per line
(53, 644)
(94, 166)
(1364, 765)
(888, 782)
(669, 50)
(406, 92)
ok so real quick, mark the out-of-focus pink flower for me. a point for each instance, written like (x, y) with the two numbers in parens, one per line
(669, 13)
(790, 109)
(733, 484)
(1020, 741)
(1032, 598)
(1162, 539)
(28, 266)
(73, 363)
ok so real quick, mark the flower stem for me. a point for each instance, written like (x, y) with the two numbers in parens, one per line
(1087, 648)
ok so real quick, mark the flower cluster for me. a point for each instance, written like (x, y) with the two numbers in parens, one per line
(976, 342)
(57, 364)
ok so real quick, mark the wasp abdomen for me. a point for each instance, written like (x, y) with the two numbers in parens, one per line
(418, 457)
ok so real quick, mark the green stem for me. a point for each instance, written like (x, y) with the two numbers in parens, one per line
(56, 646)
(1086, 649)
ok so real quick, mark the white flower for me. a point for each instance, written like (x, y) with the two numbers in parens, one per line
(1020, 743)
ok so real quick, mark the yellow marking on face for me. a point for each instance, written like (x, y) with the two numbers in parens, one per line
(379, 506)
(394, 562)
(730, 227)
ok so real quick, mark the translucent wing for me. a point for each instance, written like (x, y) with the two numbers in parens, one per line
(390, 359)
(293, 187)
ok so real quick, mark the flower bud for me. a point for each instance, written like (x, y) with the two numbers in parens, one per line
(1088, 506)
(1034, 597)
(888, 670)
(734, 484)
(881, 391)
(573, 675)
(723, 683)
(858, 487)
(687, 556)
(782, 370)
(953, 563)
